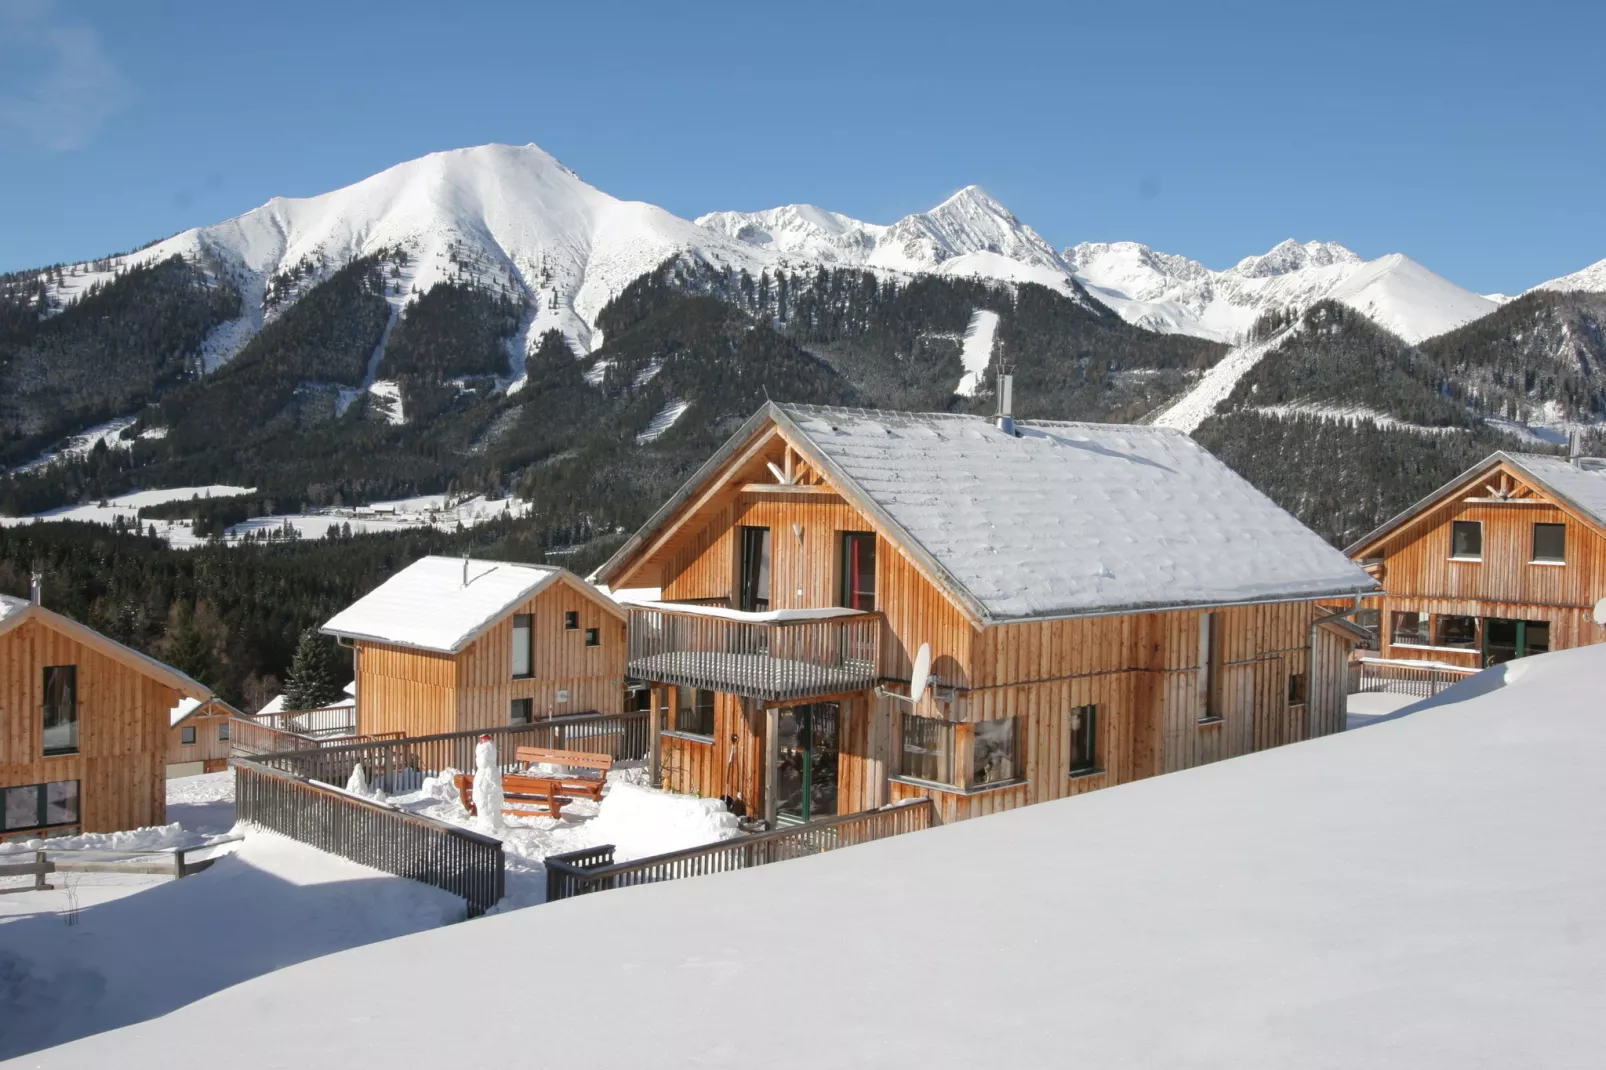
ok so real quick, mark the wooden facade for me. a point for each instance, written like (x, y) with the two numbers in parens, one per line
(1459, 609)
(1162, 702)
(116, 768)
(199, 742)
(421, 692)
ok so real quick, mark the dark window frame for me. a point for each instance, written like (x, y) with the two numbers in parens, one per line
(1084, 756)
(936, 741)
(1457, 528)
(1554, 529)
(1017, 742)
(694, 718)
(571, 620)
(526, 621)
(1298, 689)
(186, 736)
(41, 805)
(49, 714)
(593, 637)
(755, 578)
(1473, 641)
(1422, 636)
(223, 732)
(849, 594)
(526, 706)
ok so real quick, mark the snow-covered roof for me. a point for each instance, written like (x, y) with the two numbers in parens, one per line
(185, 707)
(1071, 518)
(1581, 486)
(10, 606)
(428, 605)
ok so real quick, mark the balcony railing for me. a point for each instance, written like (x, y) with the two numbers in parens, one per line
(768, 656)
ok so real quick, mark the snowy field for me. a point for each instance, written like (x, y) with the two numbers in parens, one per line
(1368, 707)
(1421, 894)
(430, 510)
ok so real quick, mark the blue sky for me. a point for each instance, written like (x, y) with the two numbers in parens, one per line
(1465, 135)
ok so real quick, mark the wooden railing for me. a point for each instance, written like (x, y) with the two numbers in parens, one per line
(400, 764)
(408, 845)
(762, 659)
(593, 869)
(176, 862)
(1403, 678)
(248, 738)
(337, 720)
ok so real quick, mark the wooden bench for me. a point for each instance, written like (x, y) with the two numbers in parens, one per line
(584, 774)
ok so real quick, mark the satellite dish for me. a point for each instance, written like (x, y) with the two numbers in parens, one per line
(922, 670)
(1600, 612)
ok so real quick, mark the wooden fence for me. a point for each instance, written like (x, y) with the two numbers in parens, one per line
(594, 870)
(176, 863)
(1403, 678)
(408, 845)
(399, 765)
(338, 720)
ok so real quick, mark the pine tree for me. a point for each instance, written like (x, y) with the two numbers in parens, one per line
(313, 680)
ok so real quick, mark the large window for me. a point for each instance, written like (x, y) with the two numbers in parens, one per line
(1458, 632)
(694, 712)
(523, 639)
(995, 755)
(1084, 740)
(754, 589)
(61, 709)
(1466, 540)
(35, 806)
(1550, 543)
(858, 570)
(522, 711)
(1411, 629)
(928, 749)
(1212, 636)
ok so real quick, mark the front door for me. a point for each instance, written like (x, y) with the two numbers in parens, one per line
(806, 761)
(1505, 639)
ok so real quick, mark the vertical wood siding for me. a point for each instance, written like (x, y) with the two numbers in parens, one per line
(122, 724)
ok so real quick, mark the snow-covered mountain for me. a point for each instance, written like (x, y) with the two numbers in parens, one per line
(1591, 279)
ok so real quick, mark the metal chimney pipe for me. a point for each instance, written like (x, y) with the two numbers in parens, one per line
(35, 588)
(1006, 403)
(465, 570)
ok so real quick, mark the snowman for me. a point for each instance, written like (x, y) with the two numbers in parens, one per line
(487, 784)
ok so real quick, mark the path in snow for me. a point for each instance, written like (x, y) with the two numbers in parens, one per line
(1213, 387)
(663, 421)
(978, 350)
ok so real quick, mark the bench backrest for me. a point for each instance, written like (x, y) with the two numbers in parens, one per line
(576, 758)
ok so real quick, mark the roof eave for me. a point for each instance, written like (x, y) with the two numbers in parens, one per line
(1134, 608)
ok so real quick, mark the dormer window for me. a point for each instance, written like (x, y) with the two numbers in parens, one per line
(1466, 540)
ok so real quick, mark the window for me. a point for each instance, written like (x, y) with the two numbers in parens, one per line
(1210, 657)
(694, 712)
(35, 806)
(1084, 740)
(1371, 620)
(1466, 539)
(186, 735)
(523, 639)
(995, 758)
(1298, 687)
(593, 637)
(223, 732)
(571, 620)
(1550, 542)
(1459, 632)
(1410, 628)
(928, 749)
(755, 574)
(858, 570)
(522, 711)
(61, 709)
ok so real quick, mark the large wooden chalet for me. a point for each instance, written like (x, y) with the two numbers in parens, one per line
(1505, 560)
(449, 645)
(1102, 603)
(84, 724)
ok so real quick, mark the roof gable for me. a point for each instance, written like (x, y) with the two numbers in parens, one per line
(1060, 519)
(14, 612)
(1505, 478)
(444, 603)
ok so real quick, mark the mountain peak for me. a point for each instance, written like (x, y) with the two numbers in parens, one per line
(1289, 255)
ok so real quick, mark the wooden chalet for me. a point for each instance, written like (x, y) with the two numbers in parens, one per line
(1101, 603)
(198, 736)
(84, 726)
(449, 645)
(1505, 560)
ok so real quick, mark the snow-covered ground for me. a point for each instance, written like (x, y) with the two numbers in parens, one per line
(83, 443)
(202, 803)
(1422, 894)
(1200, 402)
(430, 510)
(977, 351)
(1368, 707)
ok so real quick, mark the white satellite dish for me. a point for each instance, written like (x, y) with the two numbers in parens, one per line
(921, 675)
(1600, 612)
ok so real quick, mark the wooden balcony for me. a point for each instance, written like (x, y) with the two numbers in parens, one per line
(755, 655)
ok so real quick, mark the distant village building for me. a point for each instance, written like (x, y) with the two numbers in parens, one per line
(1097, 603)
(84, 726)
(1507, 559)
(198, 736)
(451, 644)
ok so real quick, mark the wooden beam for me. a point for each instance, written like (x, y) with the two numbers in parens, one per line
(793, 488)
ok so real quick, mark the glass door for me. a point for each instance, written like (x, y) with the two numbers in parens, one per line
(754, 590)
(1505, 639)
(806, 762)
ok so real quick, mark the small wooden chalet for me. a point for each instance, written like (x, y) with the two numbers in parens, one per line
(198, 736)
(1101, 603)
(1507, 559)
(450, 644)
(84, 726)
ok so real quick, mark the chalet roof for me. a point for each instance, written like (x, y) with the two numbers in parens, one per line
(1580, 487)
(427, 605)
(1060, 519)
(15, 611)
(189, 706)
